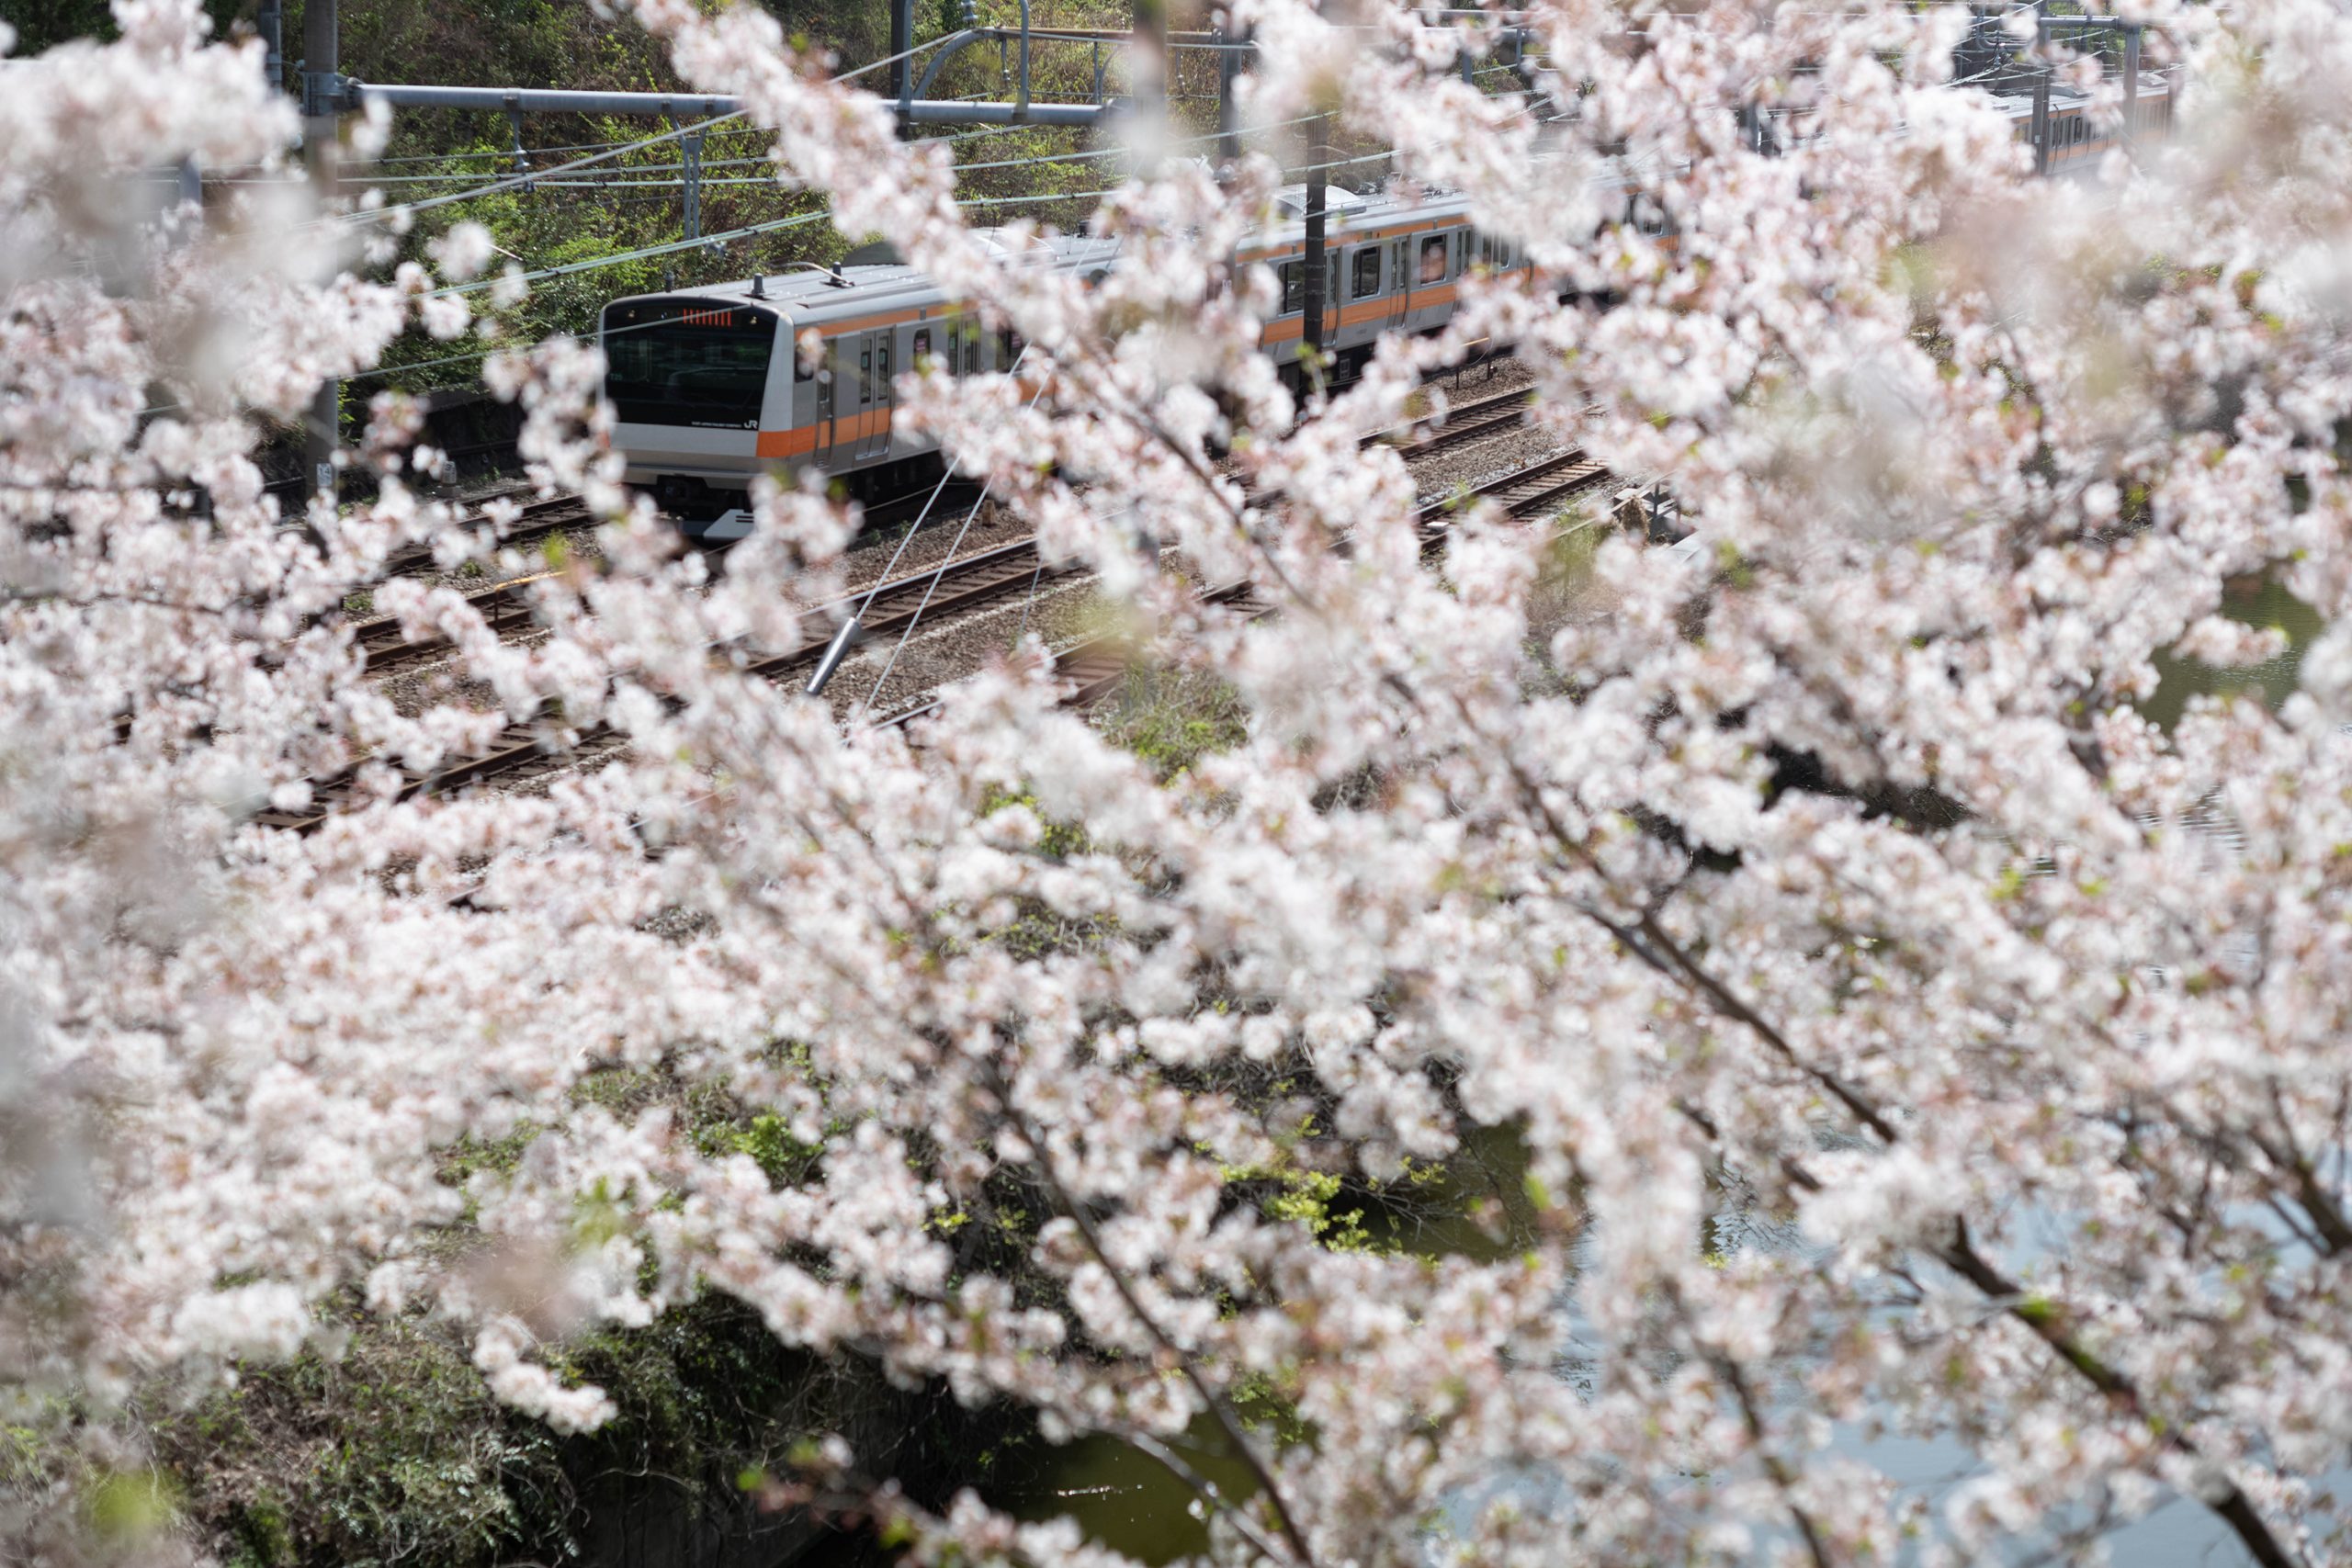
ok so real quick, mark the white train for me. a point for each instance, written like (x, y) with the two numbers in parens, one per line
(710, 392)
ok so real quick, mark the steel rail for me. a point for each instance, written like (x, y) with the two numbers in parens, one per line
(971, 582)
(505, 606)
(1001, 573)
(1095, 667)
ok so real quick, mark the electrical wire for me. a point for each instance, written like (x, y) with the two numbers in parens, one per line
(616, 182)
(426, 205)
(409, 210)
(497, 153)
(673, 246)
(936, 577)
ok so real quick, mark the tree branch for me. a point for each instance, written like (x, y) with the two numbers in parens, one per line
(2051, 1324)
(1067, 1203)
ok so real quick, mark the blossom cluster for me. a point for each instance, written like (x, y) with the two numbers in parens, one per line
(1901, 1030)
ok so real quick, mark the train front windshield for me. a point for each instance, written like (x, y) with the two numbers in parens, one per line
(687, 362)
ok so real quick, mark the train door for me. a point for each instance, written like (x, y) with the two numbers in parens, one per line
(875, 372)
(828, 383)
(1400, 284)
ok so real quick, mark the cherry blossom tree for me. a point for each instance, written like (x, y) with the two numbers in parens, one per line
(1903, 1034)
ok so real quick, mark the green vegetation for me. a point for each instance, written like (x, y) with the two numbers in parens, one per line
(393, 1449)
(1172, 719)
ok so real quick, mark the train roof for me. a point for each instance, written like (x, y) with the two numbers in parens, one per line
(2019, 105)
(816, 296)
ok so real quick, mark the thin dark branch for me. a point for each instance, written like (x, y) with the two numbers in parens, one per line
(1226, 1421)
(2052, 1324)
(1774, 1465)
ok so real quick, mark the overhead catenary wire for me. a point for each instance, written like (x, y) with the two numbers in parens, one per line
(672, 247)
(958, 134)
(838, 647)
(615, 180)
(647, 253)
(931, 587)
(744, 162)
(675, 133)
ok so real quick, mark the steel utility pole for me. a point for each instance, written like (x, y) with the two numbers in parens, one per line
(1229, 43)
(1147, 69)
(2130, 83)
(1318, 128)
(271, 24)
(322, 91)
(903, 74)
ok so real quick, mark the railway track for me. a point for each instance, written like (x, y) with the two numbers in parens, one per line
(893, 608)
(890, 609)
(506, 605)
(507, 608)
(1096, 667)
(1541, 486)
(537, 520)
(1475, 421)
(502, 604)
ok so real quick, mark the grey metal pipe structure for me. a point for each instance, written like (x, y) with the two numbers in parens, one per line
(323, 430)
(554, 100)
(955, 43)
(949, 48)
(1023, 90)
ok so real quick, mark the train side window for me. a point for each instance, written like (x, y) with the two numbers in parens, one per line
(922, 347)
(1294, 277)
(1008, 343)
(801, 370)
(1432, 269)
